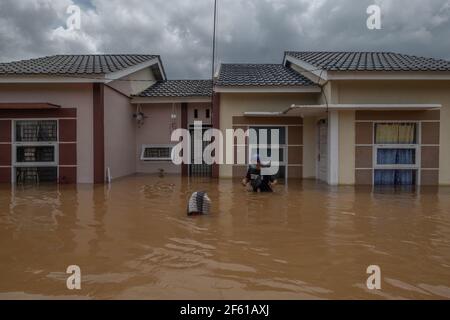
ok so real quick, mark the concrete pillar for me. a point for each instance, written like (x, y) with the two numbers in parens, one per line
(333, 148)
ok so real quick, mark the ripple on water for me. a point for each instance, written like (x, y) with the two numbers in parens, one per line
(307, 240)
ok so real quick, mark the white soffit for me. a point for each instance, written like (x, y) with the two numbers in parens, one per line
(379, 107)
(320, 73)
(125, 72)
(388, 75)
(294, 110)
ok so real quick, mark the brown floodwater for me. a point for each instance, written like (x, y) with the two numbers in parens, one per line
(133, 240)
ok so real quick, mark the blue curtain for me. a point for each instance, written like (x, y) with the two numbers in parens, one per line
(396, 156)
(394, 177)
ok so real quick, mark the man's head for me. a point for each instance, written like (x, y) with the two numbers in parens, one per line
(256, 161)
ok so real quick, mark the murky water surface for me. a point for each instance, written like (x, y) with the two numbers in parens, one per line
(133, 240)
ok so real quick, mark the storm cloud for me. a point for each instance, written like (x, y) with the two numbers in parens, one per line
(257, 31)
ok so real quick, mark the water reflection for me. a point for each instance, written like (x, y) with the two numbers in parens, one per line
(307, 240)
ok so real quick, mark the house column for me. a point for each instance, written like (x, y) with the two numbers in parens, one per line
(5, 151)
(333, 148)
(99, 132)
(184, 125)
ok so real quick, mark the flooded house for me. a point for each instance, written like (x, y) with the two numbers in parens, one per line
(344, 118)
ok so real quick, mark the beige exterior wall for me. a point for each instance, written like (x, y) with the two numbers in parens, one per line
(73, 95)
(424, 92)
(120, 135)
(235, 104)
(347, 147)
(157, 129)
(309, 147)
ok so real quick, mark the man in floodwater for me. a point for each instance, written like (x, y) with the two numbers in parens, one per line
(199, 204)
(258, 182)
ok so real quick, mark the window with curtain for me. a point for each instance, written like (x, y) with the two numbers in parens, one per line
(395, 177)
(395, 133)
(395, 154)
(387, 156)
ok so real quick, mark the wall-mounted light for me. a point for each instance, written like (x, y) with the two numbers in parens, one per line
(139, 116)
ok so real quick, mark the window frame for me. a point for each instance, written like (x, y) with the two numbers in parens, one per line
(16, 144)
(414, 147)
(417, 147)
(156, 146)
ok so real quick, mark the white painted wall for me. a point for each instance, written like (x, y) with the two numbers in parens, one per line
(135, 82)
(309, 147)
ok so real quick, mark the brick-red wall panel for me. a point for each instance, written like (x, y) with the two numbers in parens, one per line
(5, 130)
(67, 154)
(67, 175)
(5, 175)
(5, 154)
(68, 130)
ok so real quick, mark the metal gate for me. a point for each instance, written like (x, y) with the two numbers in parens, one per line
(199, 170)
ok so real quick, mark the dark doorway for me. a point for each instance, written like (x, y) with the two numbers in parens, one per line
(203, 169)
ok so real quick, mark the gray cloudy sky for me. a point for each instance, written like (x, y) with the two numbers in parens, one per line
(248, 30)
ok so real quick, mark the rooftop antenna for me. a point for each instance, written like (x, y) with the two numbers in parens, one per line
(214, 42)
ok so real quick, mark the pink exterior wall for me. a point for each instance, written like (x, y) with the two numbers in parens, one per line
(157, 129)
(77, 96)
(120, 134)
(123, 139)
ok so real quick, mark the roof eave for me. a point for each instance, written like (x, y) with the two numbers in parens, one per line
(165, 99)
(389, 75)
(319, 73)
(28, 106)
(51, 78)
(130, 70)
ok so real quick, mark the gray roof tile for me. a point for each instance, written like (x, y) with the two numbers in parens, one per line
(260, 75)
(74, 64)
(370, 61)
(179, 88)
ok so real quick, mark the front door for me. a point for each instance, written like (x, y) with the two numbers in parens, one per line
(203, 169)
